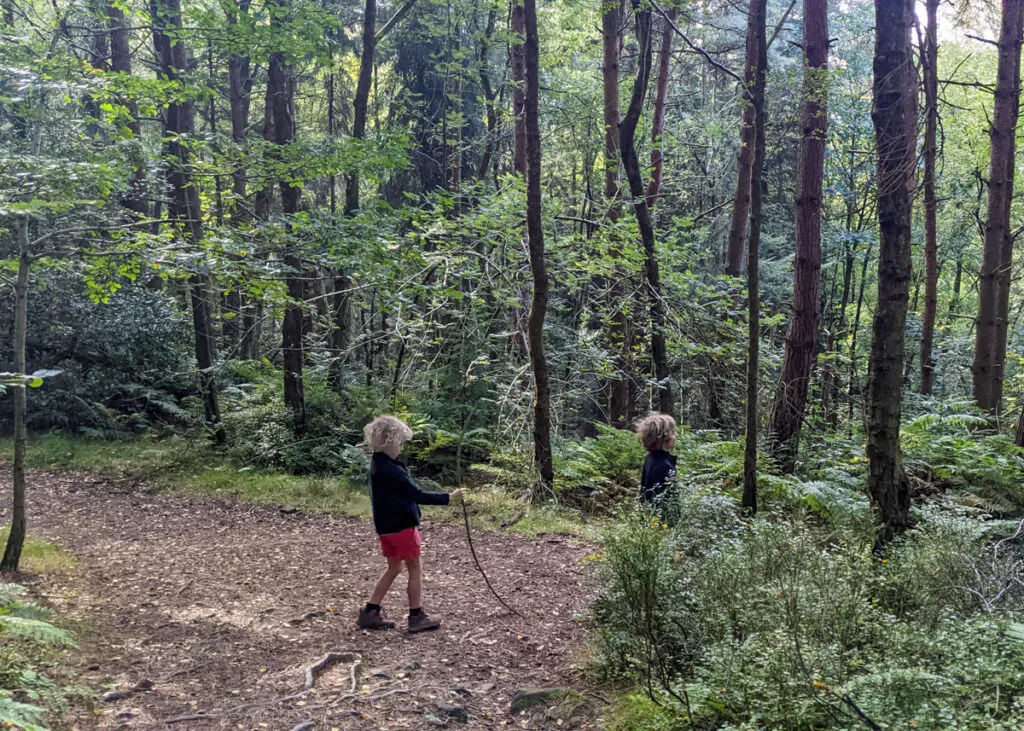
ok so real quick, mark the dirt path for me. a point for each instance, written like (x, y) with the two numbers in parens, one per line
(202, 599)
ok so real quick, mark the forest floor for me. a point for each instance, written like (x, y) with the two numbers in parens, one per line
(197, 611)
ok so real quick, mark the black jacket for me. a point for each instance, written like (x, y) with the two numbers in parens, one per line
(659, 468)
(396, 498)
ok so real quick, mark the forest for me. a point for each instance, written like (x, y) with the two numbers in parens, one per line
(233, 232)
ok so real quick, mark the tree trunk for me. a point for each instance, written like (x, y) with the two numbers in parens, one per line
(185, 207)
(341, 329)
(239, 94)
(16, 538)
(893, 63)
(619, 400)
(134, 199)
(535, 234)
(994, 280)
(930, 58)
(631, 162)
(489, 95)
(756, 38)
(744, 169)
(362, 98)
(658, 122)
(281, 95)
(798, 358)
(518, 59)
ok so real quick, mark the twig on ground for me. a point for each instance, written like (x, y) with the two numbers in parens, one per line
(189, 717)
(327, 661)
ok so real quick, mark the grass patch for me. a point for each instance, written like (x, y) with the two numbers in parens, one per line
(41, 557)
(196, 467)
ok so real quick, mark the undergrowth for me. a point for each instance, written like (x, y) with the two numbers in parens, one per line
(32, 688)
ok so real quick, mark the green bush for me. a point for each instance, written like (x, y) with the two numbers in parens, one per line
(782, 622)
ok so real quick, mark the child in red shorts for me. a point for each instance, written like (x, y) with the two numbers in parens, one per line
(396, 517)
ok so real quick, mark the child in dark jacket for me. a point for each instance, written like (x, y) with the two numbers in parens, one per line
(396, 501)
(657, 432)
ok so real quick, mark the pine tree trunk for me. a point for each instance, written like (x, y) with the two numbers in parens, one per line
(756, 38)
(631, 163)
(893, 63)
(658, 122)
(535, 235)
(19, 523)
(994, 279)
(517, 56)
(134, 199)
(362, 98)
(930, 58)
(281, 91)
(619, 399)
(185, 207)
(744, 171)
(798, 357)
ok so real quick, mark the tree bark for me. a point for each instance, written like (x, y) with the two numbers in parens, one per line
(619, 400)
(239, 95)
(134, 198)
(744, 169)
(658, 122)
(281, 98)
(185, 207)
(518, 60)
(994, 279)
(798, 357)
(19, 522)
(362, 98)
(756, 38)
(930, 59)
(535, 235)
(631, 163)
(893, 101)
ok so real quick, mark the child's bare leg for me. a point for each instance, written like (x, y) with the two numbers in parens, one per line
(415, 582)
(386, 580)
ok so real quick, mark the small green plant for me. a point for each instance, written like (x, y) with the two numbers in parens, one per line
(27, 695)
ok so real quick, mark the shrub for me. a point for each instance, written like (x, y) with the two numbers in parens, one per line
(26, 694)
(781, 622)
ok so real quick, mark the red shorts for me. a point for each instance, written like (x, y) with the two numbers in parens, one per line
(402, 545)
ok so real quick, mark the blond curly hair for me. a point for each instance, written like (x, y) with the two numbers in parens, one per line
(656, 431)
(386, 431)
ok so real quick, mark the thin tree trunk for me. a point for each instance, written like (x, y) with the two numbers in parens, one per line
(134, 199)
(281, 99)
(239, 95)
(19, 523)
(756, 37)
(362, 98)
(888, 486)
(930, 58)
(631, 162)
(994, 279)
(744, 171)
(535, 234)
(798, 357)
(619, 400)
(489, 96)
(658, 121)
(185, 207)
(518, 60)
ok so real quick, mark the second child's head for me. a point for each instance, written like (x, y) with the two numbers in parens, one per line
(387, 434)
(657, 432)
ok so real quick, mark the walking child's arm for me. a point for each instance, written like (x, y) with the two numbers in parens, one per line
(414, 493)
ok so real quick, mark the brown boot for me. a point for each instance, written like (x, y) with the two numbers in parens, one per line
(374, 619)
(420, 622)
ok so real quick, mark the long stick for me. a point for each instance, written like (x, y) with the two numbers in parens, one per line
(469, 539)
